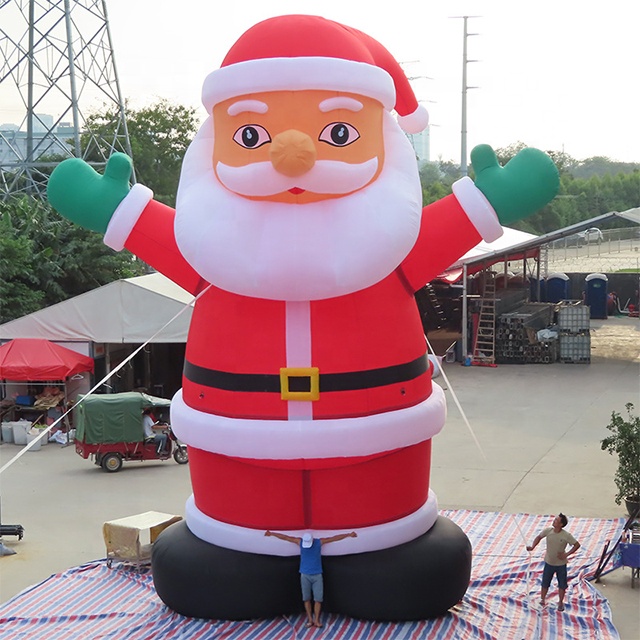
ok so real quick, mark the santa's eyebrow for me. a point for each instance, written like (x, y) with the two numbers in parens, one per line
(243, 106)
(331, 104)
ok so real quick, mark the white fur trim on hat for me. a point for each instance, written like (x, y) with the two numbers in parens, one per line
(414, 122)
(373, 538)
(285, 74)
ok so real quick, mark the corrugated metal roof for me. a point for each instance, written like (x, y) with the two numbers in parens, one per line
(632, 215)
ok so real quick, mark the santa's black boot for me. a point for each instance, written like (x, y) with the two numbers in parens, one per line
(421, 579)
(202, 580)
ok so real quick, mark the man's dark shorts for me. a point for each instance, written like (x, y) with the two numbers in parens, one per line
(560, 570)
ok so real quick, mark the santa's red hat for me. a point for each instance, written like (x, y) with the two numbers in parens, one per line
(300, 52)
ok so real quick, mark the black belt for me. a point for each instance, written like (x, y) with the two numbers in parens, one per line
(301, 381)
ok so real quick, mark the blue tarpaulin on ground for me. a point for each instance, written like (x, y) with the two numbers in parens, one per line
(502, 602)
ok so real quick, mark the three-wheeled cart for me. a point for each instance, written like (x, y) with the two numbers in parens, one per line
(109, 429)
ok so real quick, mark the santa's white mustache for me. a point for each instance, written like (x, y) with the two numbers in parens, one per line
(326, 176)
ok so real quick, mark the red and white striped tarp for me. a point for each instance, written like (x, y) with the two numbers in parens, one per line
(94, 601)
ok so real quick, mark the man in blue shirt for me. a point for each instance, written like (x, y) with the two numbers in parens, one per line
(311, 569)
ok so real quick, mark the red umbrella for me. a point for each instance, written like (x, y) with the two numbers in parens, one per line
(39, 359)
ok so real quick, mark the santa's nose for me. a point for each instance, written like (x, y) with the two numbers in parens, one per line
(292, 153)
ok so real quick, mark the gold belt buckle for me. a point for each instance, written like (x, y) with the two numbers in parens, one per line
(302, 374)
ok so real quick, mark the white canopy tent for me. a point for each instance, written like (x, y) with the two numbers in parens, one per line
(510, 238)
(126, 311)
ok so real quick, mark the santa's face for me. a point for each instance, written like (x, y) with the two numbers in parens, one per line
(298, 195)
(297, 146)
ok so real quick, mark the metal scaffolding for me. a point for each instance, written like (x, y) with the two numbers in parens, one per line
(56, 68)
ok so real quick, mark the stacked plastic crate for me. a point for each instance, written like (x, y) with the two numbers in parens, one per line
(574, 329)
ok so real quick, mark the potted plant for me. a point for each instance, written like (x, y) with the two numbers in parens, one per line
(625, 442)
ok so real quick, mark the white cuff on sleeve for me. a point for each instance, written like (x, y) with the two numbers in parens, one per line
(126, 215)
(478, 209)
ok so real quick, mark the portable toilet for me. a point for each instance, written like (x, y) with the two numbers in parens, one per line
(558, 287)
(596, 294)
(502, 280)
(517, 281)
(533, 290)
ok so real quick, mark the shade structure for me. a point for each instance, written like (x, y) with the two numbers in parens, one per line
(38, 359)
(130, 311)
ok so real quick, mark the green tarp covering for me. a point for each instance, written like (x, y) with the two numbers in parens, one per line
(115, 417)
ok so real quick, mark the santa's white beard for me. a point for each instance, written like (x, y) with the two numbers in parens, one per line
(298, 251)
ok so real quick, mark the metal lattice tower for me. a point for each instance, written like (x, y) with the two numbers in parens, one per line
(56, 67)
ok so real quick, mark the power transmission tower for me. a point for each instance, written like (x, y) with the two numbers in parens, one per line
(56, 66)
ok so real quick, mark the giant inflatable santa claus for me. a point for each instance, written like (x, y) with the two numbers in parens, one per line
(307, 400)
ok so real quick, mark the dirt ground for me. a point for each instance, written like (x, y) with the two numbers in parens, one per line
(617, 338)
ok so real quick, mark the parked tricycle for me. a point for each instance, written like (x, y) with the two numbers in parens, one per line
(109, 429)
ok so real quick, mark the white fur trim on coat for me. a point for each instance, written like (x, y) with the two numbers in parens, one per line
(379, 536)
(295, 439)
(478, 209)
(126, 216)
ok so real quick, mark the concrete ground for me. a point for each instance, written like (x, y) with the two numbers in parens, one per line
(539, 428)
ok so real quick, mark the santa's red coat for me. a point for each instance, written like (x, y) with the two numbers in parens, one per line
(263, 462)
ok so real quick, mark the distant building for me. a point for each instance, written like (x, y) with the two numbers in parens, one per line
(421, 145)
(47, 141)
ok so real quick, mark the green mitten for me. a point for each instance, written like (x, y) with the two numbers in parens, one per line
(82, 195)
(524, 185)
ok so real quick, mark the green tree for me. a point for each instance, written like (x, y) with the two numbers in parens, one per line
(562, 160)
(565, 163)
(436, 179)
(19, 293)
(159, 136)
(631, 186)
(44, 259)
(504, 154)
(430, 174)
(600, 166)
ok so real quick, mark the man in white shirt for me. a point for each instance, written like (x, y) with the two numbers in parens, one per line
(159, 439)
(555, 559)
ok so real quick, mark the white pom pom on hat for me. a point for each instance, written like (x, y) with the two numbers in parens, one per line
(299, 52)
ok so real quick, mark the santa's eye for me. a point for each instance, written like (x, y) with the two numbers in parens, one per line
(251, 136)
(339, 134)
